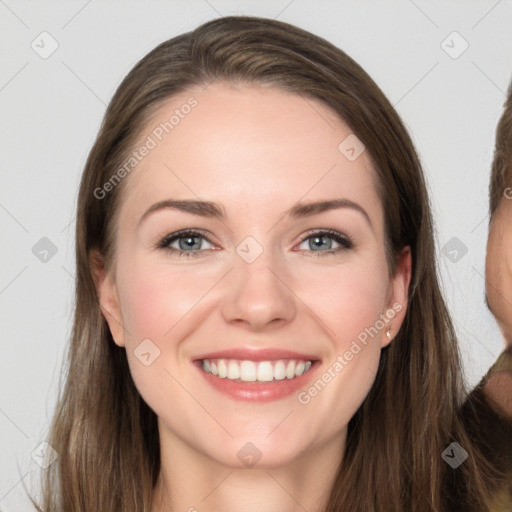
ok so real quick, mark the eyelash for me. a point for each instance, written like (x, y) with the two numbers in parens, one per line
(345, 242)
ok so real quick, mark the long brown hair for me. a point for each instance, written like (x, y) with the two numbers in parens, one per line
(107, 437)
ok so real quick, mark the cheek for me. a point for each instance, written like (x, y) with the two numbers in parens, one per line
(155, 298)
(348, 299)
(157, 302)
(350, 306)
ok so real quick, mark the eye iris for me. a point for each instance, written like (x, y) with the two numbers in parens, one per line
(192, 245)
(317, 238)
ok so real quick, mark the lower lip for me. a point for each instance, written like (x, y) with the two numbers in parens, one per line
(258, 391)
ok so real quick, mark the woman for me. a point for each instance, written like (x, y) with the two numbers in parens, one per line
(244, 368)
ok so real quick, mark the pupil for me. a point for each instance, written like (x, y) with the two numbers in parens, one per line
(317, 238)
(189, 242)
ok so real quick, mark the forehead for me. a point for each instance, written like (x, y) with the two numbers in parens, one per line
(250, 146)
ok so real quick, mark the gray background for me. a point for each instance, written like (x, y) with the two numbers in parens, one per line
(52, 108)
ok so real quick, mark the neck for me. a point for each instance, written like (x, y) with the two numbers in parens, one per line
(193, 482)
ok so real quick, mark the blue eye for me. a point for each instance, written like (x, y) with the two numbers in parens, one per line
(187, 240)
(190, 243)
(317, 241)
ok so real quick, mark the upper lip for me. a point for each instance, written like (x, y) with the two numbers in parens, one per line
(256, 354)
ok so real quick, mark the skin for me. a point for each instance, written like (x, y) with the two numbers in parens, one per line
(257, 151)
(498, 271)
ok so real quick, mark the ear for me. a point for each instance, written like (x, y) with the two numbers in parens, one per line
(107, 295)
(398, 295)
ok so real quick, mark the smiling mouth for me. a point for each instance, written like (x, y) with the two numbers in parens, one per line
(255, 371)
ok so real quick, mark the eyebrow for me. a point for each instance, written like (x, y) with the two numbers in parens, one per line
(214, 210)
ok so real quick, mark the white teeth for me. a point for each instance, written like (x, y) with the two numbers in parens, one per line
(233, 370)
(279, 371)
(223, 369)
(265, 371)
(251, 371)
(248, 371)
(290, 369)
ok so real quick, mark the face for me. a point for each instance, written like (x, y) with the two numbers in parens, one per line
(499, 267)
(263, 283)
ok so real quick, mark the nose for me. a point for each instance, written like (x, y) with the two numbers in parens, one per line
(258, 294)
